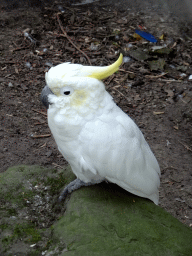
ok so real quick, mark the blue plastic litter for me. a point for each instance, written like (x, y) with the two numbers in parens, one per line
(146, 35)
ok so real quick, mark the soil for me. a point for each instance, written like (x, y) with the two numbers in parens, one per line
(160, 103)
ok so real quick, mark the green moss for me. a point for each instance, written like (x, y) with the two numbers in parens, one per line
(104, 221)
(11, 212)
(56, 183)
(18, 231)
(24, 231)
(27, 231)
(7, 240)
(20, 198)
(35, 253)
(49, 243)
(4, 226)
(34, 233)
(7, 211)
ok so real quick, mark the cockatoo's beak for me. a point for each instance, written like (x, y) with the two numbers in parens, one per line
(44, 96)
(104, 72)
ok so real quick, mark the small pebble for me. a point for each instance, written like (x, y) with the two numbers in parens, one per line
(129, 45)
(61, 9)
(28, 65)
(10, 84)
(32, 245)
(183, 75)
(126, 59)
(49, 64)
(26, 34)
(13, 218)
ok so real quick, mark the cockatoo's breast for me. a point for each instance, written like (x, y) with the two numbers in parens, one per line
(68, 130)
(68, 120)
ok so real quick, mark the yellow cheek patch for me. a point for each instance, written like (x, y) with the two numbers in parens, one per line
(79, 97)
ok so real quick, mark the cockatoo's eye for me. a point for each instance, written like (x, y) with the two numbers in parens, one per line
(66, 91)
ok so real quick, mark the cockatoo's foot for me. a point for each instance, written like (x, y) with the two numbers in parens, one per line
(75, 184)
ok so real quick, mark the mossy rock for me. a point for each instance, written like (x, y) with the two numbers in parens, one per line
(97, 220)
(27, 198)
(106, 220)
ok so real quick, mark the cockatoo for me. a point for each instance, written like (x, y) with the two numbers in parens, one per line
(94, 135)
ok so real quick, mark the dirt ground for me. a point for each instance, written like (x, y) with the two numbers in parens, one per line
(154, 89)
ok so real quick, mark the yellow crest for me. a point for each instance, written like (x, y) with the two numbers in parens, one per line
(104, 72)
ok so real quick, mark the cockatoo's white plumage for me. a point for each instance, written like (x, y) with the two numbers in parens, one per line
(94, 135)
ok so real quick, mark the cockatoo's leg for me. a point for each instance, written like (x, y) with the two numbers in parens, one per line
(75, 184)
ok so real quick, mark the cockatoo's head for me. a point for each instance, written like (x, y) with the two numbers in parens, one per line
(76, 86)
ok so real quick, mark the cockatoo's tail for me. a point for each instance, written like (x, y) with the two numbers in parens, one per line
(104, 72)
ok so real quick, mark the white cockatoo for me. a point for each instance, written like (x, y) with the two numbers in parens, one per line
(94, 135)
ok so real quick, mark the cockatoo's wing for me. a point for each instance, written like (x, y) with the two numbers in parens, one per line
(115, 149)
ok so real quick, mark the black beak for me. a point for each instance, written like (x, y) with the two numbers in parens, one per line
(44, 96)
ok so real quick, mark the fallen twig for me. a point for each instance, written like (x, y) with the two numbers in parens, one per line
(41, 136)
(19, 48)
(40, 123)
(166, 80)
(56, 165)
(8, 62)
(116, 86)
(30, 38)
(158, 113)
(65, 35)
(110, 79)
(43, 145)
(169, 167)
(40, 112)
(148, 76)
(121, 93)
(173, 45)
(186, 146)
(126, 71)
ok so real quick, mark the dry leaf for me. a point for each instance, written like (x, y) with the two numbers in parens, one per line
(162, 37)
(158, 113)
(137, 97)
(169, 92)
(137, 37)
